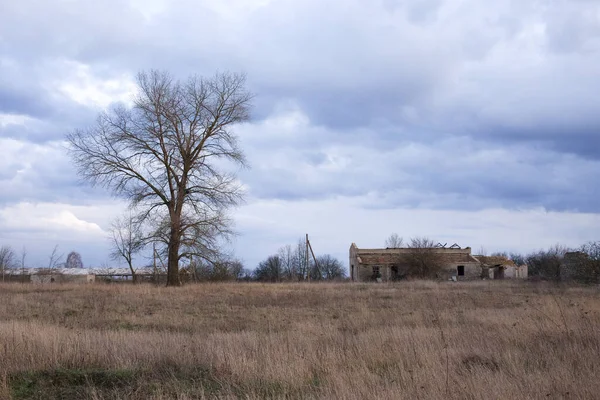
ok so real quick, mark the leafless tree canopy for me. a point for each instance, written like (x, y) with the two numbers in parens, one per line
(74, 260)
(7, 258)
(585, 263)
(329, 268)
(127, 239)
(163, 153)
(55, 259)
(394, 241)
(547, 263)
(423, 259)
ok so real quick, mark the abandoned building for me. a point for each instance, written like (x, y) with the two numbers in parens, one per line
(456, 263)
(499, 267)
(79, 275)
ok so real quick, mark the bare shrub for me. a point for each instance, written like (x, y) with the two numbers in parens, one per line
(423, 260)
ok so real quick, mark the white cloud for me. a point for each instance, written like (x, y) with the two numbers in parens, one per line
(80, 84)
(40, 226)
(76, 223)
(13, 119)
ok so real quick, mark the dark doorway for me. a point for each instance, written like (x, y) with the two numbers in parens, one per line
(352, 272)
(460, 270)
(394, 270)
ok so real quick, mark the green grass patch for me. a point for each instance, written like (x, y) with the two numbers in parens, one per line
(69, 383)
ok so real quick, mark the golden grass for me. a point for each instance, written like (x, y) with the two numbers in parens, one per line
(411, 340)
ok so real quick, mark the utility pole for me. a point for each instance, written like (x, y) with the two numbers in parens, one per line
(306, 260)
(309, 246)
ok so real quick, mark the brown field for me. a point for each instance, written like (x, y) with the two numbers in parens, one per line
(412, 340)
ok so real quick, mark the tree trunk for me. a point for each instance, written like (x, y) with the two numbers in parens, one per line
(133, 274)
(173, 258)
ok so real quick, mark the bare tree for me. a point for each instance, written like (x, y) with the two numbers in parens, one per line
(301, 259)
(7, 259)
(547, 263)
(592, 250)
(54, 261)
(423, 259)
(330, 268)
(394, 241)
(587, 263)
(202, 241)
(127, 240)
(517, 258)
(289, 261)
(163, 153)
(74, 260)
(23, 257)
(269, 270)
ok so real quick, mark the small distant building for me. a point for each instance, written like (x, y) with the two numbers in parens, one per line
(392, 264)
(500, 267)
(75, 275)
(458, 263)
(48, 275)
(63, 275)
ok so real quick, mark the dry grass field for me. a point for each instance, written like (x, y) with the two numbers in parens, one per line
(411, 340)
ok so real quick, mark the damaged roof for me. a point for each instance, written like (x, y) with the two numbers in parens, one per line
(392, 257)
(495, 260)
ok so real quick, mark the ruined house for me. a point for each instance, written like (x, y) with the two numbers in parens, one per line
(500, 267)
(394, 264)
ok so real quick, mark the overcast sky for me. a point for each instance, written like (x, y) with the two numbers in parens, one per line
(466, 121)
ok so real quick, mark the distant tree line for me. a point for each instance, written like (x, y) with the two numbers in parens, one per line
(291, 263)
(222, 270)
(561, 263)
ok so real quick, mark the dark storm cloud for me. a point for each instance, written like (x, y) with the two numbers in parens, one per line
(14, 101)
(446, 173)
(383, 78)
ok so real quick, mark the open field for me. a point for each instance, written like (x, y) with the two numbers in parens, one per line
(412, 340)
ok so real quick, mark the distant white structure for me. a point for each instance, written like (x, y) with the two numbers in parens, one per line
(75, 275)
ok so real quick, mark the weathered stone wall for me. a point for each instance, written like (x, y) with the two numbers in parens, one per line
(472, 272)
(61, 278)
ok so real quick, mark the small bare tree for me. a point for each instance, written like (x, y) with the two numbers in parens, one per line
(23, 257)
(394, 241)
(547, 263)
(74, 260)
(301, 260)
(423, 259)
(127, 240)
(289, 263)
(164, 153)
(7, 259)
(54, 261)
(330, 268)
(587, 264)
(269, 270)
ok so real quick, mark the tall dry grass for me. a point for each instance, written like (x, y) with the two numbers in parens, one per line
(411, 340)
